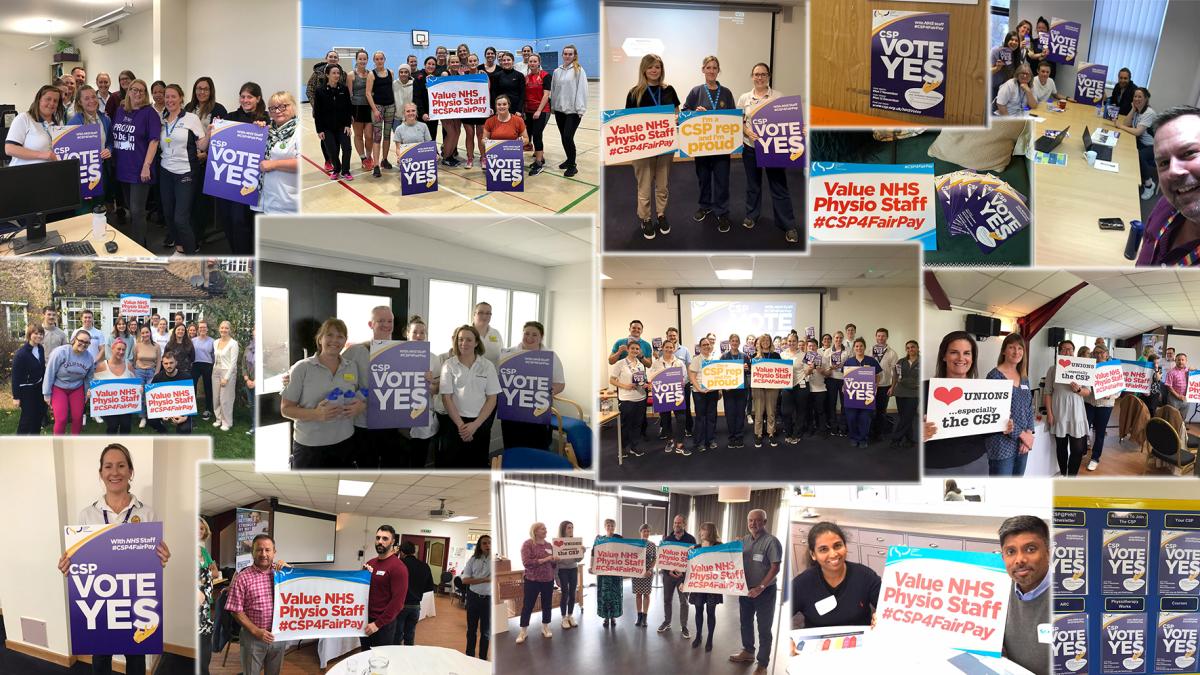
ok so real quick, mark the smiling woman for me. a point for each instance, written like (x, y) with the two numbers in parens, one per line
(322, 398)
(834, 591)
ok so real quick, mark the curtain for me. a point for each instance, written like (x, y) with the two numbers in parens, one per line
(1034, 321)
(767, 500)
(680, 505)
(708, 510)
(1126, 34)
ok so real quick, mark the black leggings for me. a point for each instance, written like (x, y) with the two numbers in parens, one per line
(533, 589)
(33, 410)
(237, 220)
(711, 609)
(1070, 452)
(536, 126)
(337, 150)
(568, 582)
(567, 124)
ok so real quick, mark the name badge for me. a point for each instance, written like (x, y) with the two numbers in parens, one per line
(379, 573)
(825, 606)
(492, 338)
(757, 557)
(1044, 633)
(349, 377)
(1025, 386)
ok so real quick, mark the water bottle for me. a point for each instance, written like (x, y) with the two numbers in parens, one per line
(1100, 109)
(334, 397)
(1134, 242)
(348, 396)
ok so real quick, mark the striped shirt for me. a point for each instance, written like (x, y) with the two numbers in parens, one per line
(253, 593)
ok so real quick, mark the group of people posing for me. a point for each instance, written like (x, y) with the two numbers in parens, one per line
(762, 559)
(809, 407)
(155, 142)
(370, 107)
(326, 394)
(712, 172)
(58, 370)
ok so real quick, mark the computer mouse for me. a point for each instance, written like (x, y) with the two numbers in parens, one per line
(111, 247)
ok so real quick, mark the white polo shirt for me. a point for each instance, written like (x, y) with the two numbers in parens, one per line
(100, 513)
(493, 345)
(624, 370)
(469, 385)
(30, 134)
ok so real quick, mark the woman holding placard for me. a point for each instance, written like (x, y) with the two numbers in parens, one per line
(236, 218)
(90, 112)
(706, 603)
(116, 367)
(609, 589)
(652, 173)
(963, 455)
(116, 506)
(1008, 453)
(421, 437)
(1002, 60)
(1101, 411)
(183, 137)
(673, 432)
(538, 559)
(503, 126)
(736, 400)
(765, 400)
(834, 591)
(532, 434)
(568, 579)
(781, 199)
(858, 420)
(28, 370)
(315, 400)
(644, 586)
(703, 400)
(29, 137)
(711, 170)
(469, 387)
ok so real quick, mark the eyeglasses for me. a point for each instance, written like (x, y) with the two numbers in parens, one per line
(85, 343)
(279, 108)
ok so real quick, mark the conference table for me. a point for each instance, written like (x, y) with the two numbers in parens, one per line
(1070, 200)
(329, 649)
(403, 660)
(79, 228)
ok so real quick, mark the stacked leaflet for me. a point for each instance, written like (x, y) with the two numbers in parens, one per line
(981, 206)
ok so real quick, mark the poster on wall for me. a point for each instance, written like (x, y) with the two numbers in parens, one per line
(250, 524)
(908, 61)
(1069, 645)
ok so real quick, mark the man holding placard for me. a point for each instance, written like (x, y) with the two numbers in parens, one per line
(379, 444)
(1025, 547)
(1177, 384)
(251, 599)
(166, 379)
(672, 580)
(762, 555)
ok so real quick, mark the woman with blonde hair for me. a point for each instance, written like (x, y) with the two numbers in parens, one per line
(29, 136)
(652, 173)
(568, 101)
(136, 130)
(468, 386)
(538, 559)
(706, 603)
(321, 399)
(279, 179)
(224, 376)
(89, 111)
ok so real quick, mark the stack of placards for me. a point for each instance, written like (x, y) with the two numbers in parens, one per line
(982, 207)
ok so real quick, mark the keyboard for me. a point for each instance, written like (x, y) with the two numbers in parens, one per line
(70, 248)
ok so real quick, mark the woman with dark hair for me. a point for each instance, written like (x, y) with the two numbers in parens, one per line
(124, 79)
(781, 199)
(469, 386)
(568, 579)
(29, 136)
(906, 388)
(1137, 123)
(356, 81)
(531, 434)
(858, 420)
(477, 577)
(1002, 59)
(320, 398)
(420, 438)
(712, 170)
(1066, 416)
(643, 586)
(28, 370)
(765, 400)
(1122, 92)
(236, 218)
(1100, 412)
(951, 492)
(538, 85)
(1025, 37)
(421, 94)
(68, 370)
(1008, 453)
(504, 125)
(609, 589)
(333, 113)
(180, 345)
(158, 96)
(854, 588)
(964, 455)
(1039, 46)
(203, 105)
(183, 138)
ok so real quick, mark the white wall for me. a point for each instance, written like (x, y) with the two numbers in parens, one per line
(619, 306)
(938, 323)
(233, 42)
(356, 532)
(24, 71)
(58, 477)
(791, 67)
(569, 328)
(895, 309)
(1156, 488)
(134, 50)
(1174, 80)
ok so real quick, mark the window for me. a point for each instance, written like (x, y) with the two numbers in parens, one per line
(526, 503)
(234, 265)
(999, 21)
(16, 319)
(274, 320)
(191, 313)
(1125, 34)
(73, 309)
(452, 304)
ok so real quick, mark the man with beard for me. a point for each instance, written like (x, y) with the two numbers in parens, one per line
(389, 585)
(1172, 235)
(1025, 547)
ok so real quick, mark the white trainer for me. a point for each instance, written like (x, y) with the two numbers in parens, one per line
(522, 635)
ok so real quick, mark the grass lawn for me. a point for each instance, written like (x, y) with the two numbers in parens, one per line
(232, 444)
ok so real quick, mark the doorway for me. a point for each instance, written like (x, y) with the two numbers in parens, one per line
(434, 551)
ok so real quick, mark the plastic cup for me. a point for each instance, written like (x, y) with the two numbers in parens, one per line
(379, 664)
(1091, 157)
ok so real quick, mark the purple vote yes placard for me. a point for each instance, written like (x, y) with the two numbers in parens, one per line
(908, 61)
(779, 125)
(668, 390)
(234, 161)
(525, 381)
(418, 164)
(1064, 41)
(82, 142)
(858, 388)
(1089, 83)
(505, 162)
(114, 588)
(1069, 643)
(398, 391)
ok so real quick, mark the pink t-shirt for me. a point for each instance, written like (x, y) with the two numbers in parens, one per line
(1177, 379)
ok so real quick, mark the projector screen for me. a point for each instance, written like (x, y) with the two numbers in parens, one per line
(683, 37)
(306, 536)
(757, 313)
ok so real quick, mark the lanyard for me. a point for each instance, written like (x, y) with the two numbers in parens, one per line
(127, 514)
(657, 98)
(1187, 259)
(46, 128)
(171, 127)
(714, 103)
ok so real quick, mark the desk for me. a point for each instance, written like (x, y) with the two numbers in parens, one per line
(77, 228)
(606, 417)
(1070, 200)
(415, 659)
(881, 659)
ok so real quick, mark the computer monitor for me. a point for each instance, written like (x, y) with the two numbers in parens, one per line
(30, 192)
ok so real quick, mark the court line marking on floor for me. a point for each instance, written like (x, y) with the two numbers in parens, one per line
(352, 190)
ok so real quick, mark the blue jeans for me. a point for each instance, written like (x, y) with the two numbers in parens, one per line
(1013, 466)
(145, 375)
(1100, 417)
(406, 625)
(762, 610)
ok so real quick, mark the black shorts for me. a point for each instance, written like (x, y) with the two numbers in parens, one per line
(362, 113)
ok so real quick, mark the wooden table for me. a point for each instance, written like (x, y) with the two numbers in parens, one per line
(1070, 200)
(79, 228)
(606, 417)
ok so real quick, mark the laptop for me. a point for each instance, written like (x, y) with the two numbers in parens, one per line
(1103, 152)
(1047, 144)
